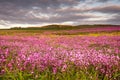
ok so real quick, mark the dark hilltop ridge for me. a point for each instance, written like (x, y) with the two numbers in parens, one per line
(62, 27)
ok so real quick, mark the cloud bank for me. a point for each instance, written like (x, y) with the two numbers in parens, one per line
(42, 12)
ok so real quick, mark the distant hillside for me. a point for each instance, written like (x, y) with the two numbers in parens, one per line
(61, 27)
(48, 27)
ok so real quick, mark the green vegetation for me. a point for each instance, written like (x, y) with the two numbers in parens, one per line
(61, 27)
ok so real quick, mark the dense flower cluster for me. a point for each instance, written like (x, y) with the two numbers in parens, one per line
(58, 53)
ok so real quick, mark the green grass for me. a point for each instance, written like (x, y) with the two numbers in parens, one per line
(72, 73)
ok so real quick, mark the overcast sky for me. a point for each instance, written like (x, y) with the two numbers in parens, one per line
(43, 12)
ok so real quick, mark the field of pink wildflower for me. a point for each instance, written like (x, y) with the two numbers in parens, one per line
(60, 57)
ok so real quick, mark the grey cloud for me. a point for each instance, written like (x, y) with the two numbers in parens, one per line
(53, 19)
(19, 8)
(19, 11)
(103, 0)
(71, 17)
(107, 9)
(16, 10)
(39, 3)
(115, 18)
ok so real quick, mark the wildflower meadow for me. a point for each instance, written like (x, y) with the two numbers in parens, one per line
(55, 55)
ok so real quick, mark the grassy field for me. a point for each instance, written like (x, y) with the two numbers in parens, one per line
(60, 53)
